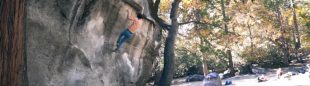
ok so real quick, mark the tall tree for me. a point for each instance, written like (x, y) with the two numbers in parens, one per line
(12, 15)
(296, 32)
(284, 44)
(224, 16)
(225, 21)
(297, 45)
(169, 57)
(275, 5)
(251, 39)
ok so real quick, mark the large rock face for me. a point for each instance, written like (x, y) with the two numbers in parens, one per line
(70, 42)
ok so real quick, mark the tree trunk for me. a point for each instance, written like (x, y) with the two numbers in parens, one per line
(12, 15)
(169, 57)
(224, 16)
(296, 32)
(283, 45)
(230, 62)
(204, 59)
(251, 39)
(154, 7)
(205, 67)
(157, 77)
(230, 66)
(297, 45)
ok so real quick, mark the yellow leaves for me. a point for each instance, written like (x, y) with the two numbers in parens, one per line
(195, 46)
(303, 12)
(205, 32)
(305, 42)
(301, 9)
(164, 6)
(187, 1)
(288, 14)
(190, 44)
(205, 19)
(196, 4)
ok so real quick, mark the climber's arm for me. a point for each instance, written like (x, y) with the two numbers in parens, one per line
(129, 16)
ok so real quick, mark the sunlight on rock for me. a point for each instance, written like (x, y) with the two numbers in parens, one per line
(156, 43)
(75, 78)
(128, 62)
(95, 23)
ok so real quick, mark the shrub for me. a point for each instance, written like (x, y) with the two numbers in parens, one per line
(187, 63)
(269, 57)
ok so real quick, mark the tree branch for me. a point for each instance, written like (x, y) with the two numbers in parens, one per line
(196, 22)
(154, 10)
(156, 5)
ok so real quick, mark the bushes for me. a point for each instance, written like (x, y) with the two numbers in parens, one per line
(187, 63)
(269, 57)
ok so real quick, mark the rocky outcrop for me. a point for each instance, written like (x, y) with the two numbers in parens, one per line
(70, 42)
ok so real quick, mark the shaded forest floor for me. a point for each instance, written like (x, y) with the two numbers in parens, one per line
(251, 79)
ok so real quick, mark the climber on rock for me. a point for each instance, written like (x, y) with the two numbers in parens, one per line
(127, 33)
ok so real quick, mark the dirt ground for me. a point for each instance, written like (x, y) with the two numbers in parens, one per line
(251, 79)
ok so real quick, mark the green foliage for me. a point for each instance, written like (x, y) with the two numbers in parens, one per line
(269, 57)
(305, 15)
(187, 63)
(216, 23)
(217, 60)
(273, 4)
(206, 48)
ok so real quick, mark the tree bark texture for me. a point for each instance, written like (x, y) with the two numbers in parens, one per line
(12, 15)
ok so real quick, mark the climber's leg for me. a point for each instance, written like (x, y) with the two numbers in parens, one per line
(121, 37)
(124, 37)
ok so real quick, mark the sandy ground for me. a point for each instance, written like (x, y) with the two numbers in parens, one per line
(251, 80)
